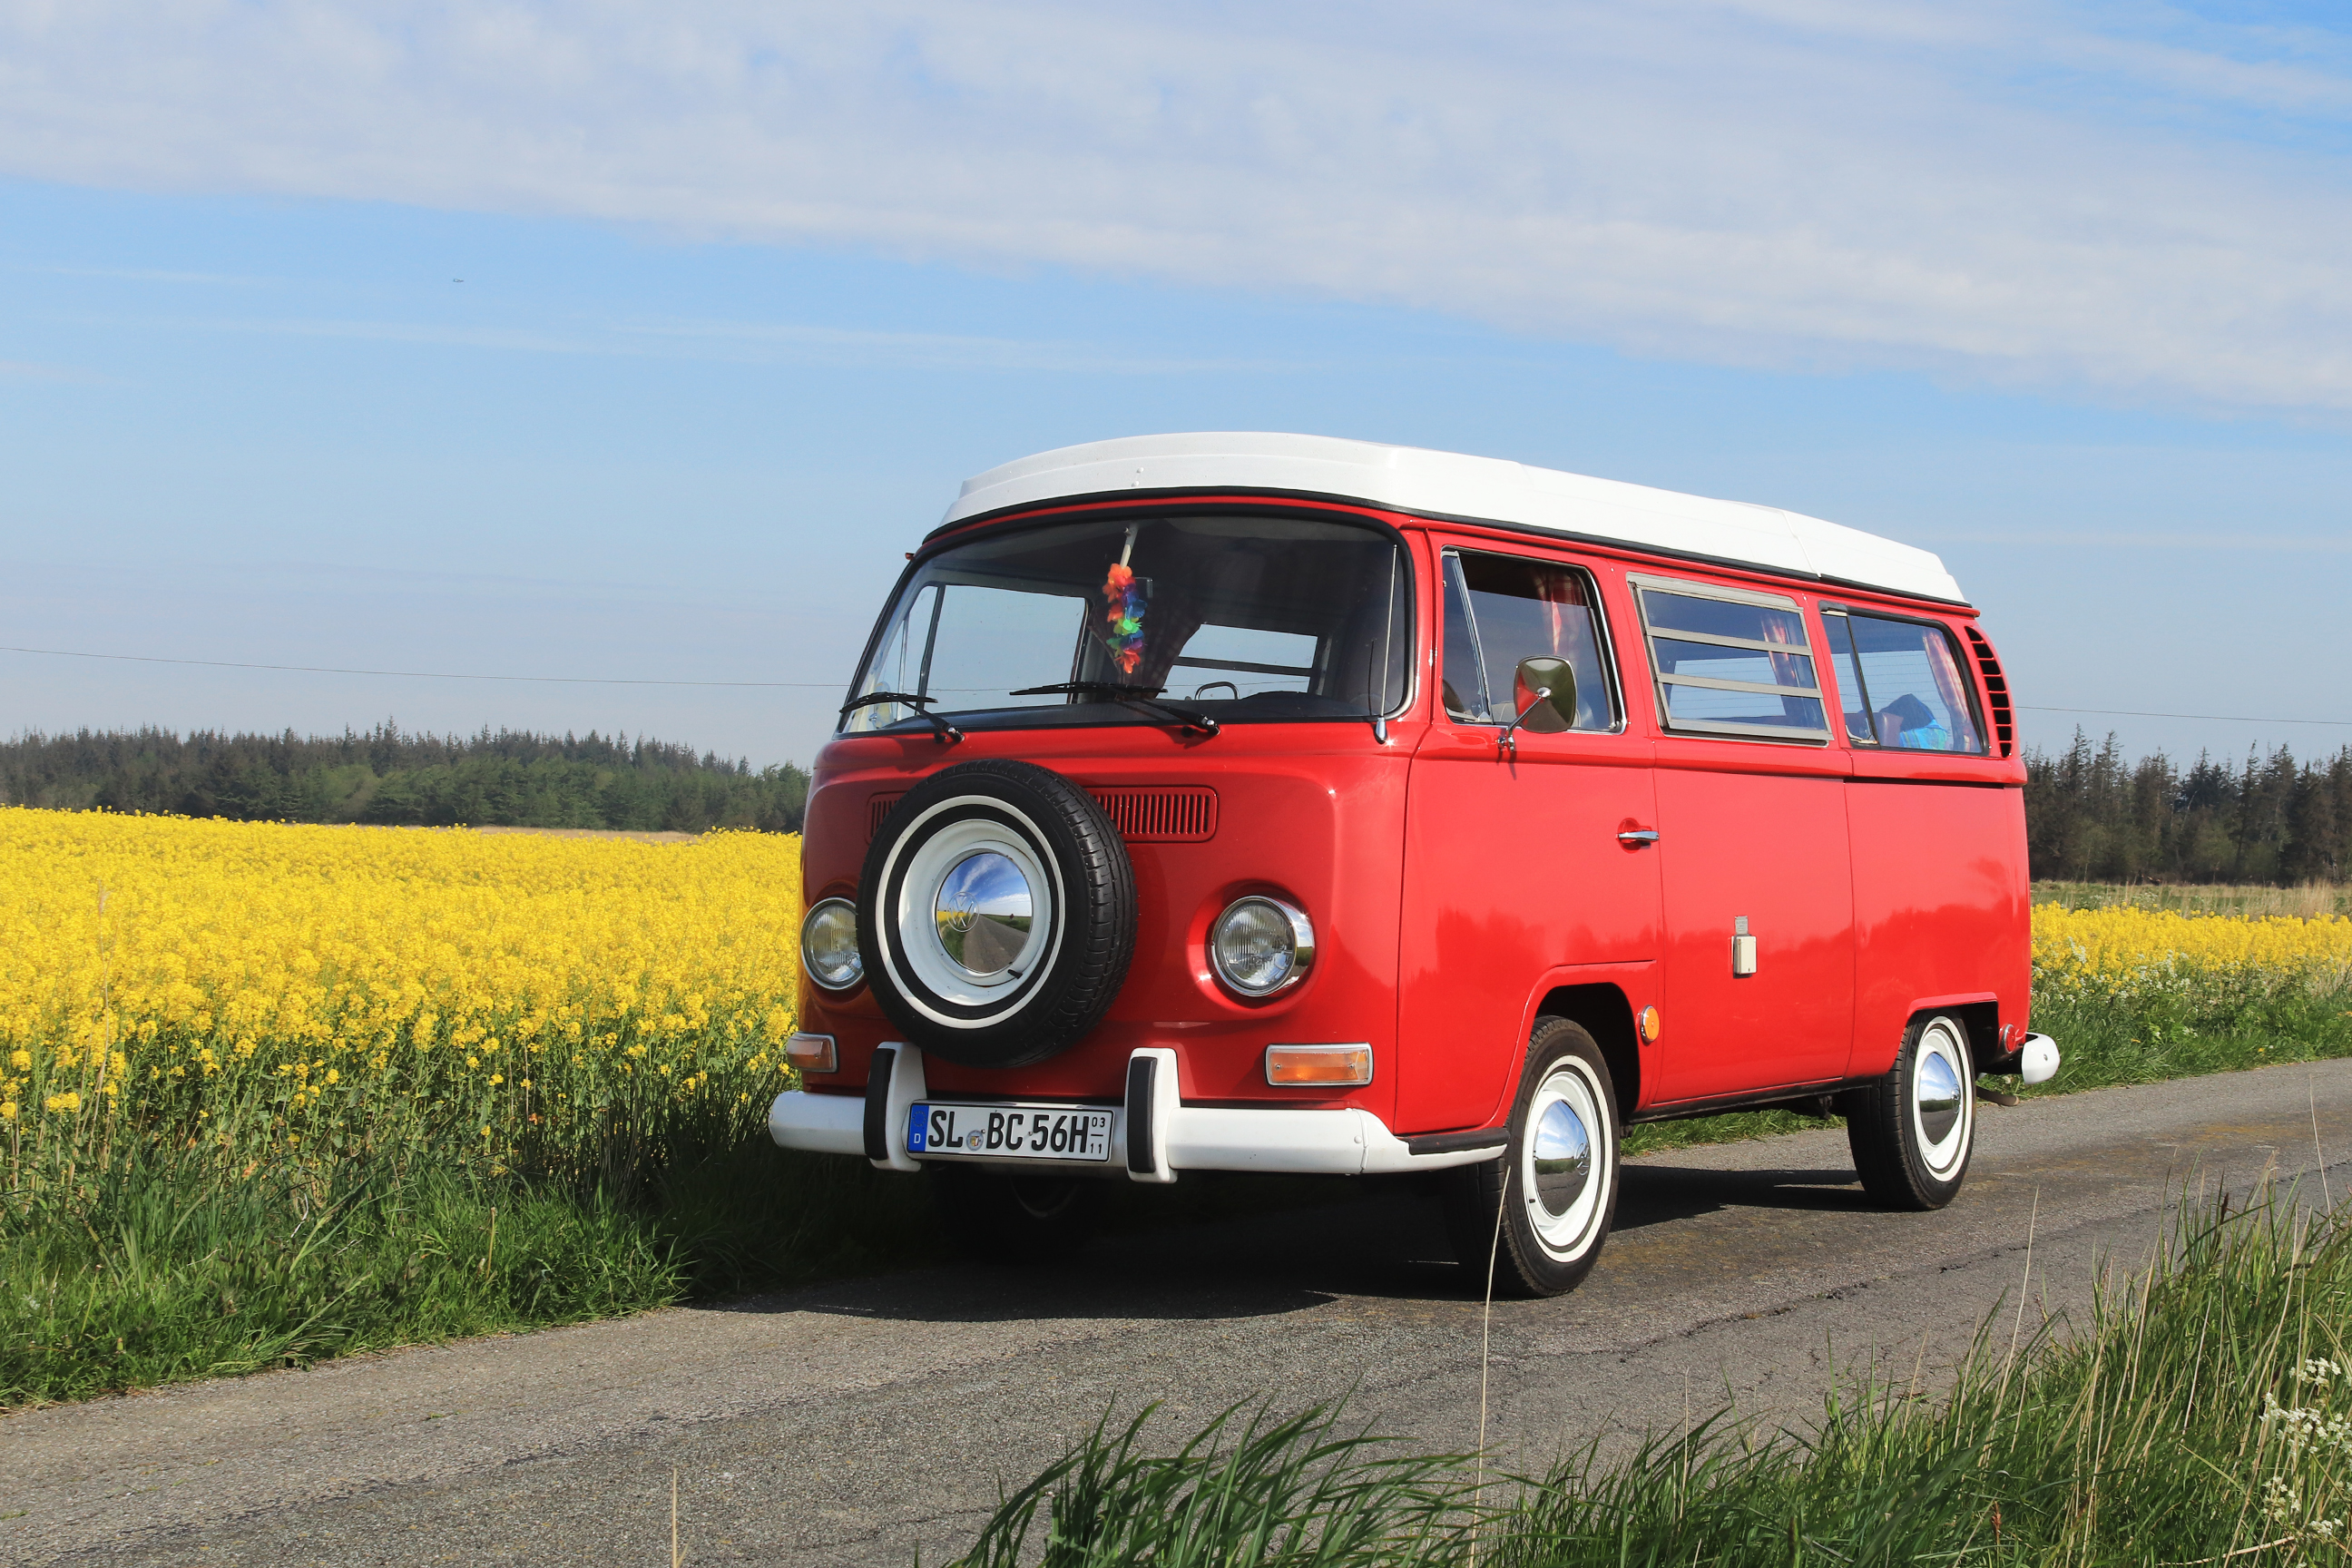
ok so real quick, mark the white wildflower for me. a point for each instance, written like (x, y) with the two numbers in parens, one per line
(2303, 1428)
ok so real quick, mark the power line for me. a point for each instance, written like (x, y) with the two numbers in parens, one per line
(834, 685)
(2223, 718)
(429, 674)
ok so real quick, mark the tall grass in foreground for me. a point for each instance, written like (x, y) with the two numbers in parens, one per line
(2201, 1414)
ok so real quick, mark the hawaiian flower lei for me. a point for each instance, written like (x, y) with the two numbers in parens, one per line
(1125, 618)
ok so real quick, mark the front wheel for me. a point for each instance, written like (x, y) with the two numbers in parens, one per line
(1555, 1187)
(1913, 1131)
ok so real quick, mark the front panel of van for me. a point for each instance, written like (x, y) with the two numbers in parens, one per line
(1310, 812)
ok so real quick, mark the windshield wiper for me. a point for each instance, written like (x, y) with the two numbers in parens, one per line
(1141, 696)
(946, 734)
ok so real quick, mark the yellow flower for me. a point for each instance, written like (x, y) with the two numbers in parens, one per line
(237, 961)
(69, 1101)
(7, 1110)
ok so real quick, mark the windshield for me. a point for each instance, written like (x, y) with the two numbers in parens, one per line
(1238, 617)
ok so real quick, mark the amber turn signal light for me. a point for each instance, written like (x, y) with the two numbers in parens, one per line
(1652, 1025)
(1328, 1066)
(813, 1053)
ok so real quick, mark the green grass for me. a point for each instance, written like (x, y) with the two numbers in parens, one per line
(2243, 899)
(151, 1273)
(2140, 1438)
(2107, 1042)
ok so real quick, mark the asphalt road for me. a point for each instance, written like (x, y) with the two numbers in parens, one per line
(860, 1422)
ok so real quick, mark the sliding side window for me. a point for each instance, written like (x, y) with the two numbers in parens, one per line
(1903, 684)
(1731, 662)
(1500, 609)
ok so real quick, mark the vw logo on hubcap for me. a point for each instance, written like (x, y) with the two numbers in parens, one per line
(982, 912)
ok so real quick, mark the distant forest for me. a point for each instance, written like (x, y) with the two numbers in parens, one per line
(2091, 816)
(511, 779)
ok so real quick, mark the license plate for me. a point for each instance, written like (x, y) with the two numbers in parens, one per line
(1008, 1131)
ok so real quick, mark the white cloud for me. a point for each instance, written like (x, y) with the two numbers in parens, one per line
(27, 370)
(2011, 190)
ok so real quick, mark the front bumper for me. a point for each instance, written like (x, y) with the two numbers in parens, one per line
(1153, 1135)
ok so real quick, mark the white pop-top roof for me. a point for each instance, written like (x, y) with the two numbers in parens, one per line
(1447, 484)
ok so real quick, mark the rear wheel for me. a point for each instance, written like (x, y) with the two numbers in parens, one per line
(1913, 1131)
(1015, 1218)
(1555, 1187)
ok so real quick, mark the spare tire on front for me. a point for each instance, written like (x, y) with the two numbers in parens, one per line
(996, 914)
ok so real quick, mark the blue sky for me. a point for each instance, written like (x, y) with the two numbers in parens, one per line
(2056, 291)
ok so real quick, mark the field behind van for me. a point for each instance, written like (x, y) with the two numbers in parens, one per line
(2150, 982)
(272, 1093)
(2243, 900)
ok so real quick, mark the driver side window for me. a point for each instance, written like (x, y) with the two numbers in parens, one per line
(1500, 609)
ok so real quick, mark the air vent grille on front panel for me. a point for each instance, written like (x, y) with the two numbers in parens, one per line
(1180, 815)
(1183, 814)
(2004, 726)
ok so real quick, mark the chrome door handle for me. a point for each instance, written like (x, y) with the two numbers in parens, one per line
(1638, 836)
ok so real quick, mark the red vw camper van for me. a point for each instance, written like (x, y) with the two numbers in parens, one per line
(1281, 803)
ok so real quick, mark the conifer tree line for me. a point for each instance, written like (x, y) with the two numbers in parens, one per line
(508, 779)
(2091, 816)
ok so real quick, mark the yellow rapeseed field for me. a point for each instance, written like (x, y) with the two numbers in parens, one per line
(2126, 954)
(266, 991)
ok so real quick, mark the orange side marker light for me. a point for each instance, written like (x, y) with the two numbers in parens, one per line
(813, 1053)
(1344, 1066)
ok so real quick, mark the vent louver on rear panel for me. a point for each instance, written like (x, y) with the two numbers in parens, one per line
(2004, 728)
(1182, 814)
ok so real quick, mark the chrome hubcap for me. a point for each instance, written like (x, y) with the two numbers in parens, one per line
(1942, 1102)
(1563, 1162)
(1564, 1173)
(1939, 1098)
(982, 913)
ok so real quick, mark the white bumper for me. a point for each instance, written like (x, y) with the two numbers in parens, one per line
(2037, 1059)
(1176, 1137)
(822, 1123)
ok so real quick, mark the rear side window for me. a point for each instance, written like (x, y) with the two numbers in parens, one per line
(1731, 662)
(1902, 684)
(1500, 609)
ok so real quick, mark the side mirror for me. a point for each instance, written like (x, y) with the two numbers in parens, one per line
(1544, 715)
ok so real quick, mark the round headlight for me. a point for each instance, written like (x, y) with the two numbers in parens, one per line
(1261, 945)
(829, 945)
